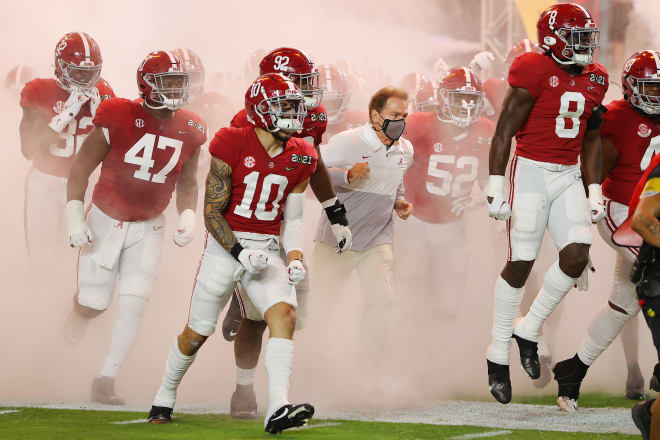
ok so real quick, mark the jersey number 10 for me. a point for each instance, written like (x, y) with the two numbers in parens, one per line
(261, 213)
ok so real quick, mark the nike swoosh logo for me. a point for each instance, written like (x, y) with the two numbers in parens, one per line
(286, 411)
(290, 168)
(364, 157)
(233, 333)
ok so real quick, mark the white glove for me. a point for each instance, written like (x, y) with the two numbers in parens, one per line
(72, 107)
(94, 100)
(499, 208)
(343, 236)
(296, 272)
(582, 283)
(79, 232)
(481, 61)
(596, 203)
(461, 205)
(186, 228)
(253, 260)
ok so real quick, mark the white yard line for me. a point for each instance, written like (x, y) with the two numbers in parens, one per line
(9, 411)
(480, 435)
(316, 425)
(128, 422)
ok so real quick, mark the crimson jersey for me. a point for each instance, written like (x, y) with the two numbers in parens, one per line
(636, 138)
(495, 89)
(314, 125)
(555, 126)
(446, 163)
(46, 96)
(652, 171)
(260, 184)
(349, 119)
(214, 109)
(139, 173)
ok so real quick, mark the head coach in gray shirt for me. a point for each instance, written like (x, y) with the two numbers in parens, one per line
(366, 165)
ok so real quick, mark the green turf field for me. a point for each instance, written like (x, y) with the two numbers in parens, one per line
(55, 424)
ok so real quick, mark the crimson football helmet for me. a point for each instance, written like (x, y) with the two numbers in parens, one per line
(18, 76)
(336, 91)
(426, 99)
(412, 82)
(519, 48)
(462, 97)
(299, 68)
(274, 102)
(641, 81)
(162, 81)
(192, 64)
(569, 33)
(78, 61)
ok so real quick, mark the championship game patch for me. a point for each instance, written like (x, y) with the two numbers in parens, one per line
(651, 188)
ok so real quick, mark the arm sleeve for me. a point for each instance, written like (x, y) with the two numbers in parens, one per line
(524, 74)
(221, 147)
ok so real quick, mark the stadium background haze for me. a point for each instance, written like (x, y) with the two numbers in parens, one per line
(430, 358)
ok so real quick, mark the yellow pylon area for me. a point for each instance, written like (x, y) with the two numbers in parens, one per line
(529, 11)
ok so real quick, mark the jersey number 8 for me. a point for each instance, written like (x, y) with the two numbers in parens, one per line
(574, 115)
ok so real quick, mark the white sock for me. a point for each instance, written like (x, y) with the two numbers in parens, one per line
(505, 308)
(279, 362)
(245, 376)
(604, 328)
(556, 285)
(124, 333)
(176, 366)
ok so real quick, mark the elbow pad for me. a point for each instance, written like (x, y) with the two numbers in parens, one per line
(596, 118)
(293, 233)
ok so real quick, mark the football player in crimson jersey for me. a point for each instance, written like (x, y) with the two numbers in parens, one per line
(630, 138)
(496, 88)
(554, 109)
(57, 116)
(254, 199)
(297, 66)
(451, 156)
(147, 148)
(336, 97)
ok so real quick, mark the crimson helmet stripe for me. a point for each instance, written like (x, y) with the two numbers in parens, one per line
(528, 46)
(83, 37)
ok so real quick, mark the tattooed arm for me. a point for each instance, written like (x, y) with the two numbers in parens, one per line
(218, 191)
(645, 219)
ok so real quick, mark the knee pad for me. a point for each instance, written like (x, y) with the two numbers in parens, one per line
(205, 309)
(526, 231)
(94, 298)
(133, 305)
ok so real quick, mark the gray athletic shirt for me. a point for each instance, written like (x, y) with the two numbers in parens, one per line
(369, 202)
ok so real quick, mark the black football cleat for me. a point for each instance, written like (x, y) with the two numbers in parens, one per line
(641, 415)
(635, 384)
(529, 357)
(569, 374)
(289, 416)
(654, 383)
(160, 414)
(232, 319)
(243, 403)
(499, 382)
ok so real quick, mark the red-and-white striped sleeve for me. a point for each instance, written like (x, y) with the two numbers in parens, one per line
(512, 177)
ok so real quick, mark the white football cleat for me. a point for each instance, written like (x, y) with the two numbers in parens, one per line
(567, 404)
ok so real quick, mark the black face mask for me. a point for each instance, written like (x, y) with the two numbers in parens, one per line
(393, 128)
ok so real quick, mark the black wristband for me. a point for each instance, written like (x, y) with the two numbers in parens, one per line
(236, 250)
(337, 214)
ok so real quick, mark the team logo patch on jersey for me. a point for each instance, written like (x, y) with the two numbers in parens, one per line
(644, 130)
(59, 106)
(249, 162)
(139, 123)
(437, 147)
(554, 81)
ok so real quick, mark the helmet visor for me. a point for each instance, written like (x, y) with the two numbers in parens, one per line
(171, 89)
(286, 112)
(84, 76)
(464, 106)
(309, 86)
(649, 95)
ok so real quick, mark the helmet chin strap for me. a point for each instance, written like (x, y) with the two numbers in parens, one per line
(552, 54)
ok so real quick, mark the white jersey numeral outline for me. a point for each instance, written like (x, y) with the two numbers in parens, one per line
(147, 143)
(453, 186)
(260, 211)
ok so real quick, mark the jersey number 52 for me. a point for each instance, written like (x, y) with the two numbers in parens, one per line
(450, 185)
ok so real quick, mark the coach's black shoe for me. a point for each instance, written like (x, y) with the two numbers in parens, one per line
(289, 416)
(529, 357)
(569, 374)
(103, 391)
(635, 384)
(243, 403)
(160, 414)
(232, 319)
(641, 415)
(499, 382)
(654, 383)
